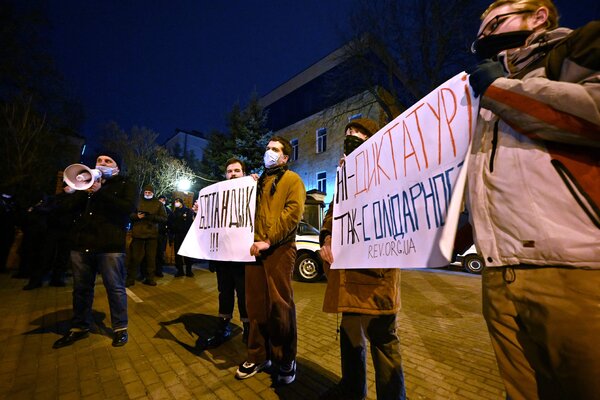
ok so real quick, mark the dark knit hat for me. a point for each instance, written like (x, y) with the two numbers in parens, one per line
(112, 154)
(365, 125)
(149, 188)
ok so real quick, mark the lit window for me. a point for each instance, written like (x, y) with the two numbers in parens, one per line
(294, 143)
(321, 140)
(322, 182)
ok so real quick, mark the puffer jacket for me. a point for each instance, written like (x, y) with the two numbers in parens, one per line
(147, 227)
(373, 291)
(534, 169)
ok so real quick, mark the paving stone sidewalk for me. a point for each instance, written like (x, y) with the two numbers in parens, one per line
(445, 347)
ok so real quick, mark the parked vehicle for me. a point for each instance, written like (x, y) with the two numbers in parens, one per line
(471, 261)
(309, 266)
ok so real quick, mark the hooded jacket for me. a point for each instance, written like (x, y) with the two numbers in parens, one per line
(534, 168)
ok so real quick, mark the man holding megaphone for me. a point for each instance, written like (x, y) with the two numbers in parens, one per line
(102, 200)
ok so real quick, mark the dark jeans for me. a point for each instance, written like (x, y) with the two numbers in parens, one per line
(380, 330)
(111, 267)
(231, 279)
(271, 308)
(142, 250)
(161, 247)
(180, 260)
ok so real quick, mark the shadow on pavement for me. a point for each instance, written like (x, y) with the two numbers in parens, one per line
(198, 328)
(59, 322)
(311, 381)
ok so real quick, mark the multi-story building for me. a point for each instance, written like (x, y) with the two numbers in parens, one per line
(312, 115)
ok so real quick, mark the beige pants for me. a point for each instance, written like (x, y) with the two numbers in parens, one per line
(545, 329)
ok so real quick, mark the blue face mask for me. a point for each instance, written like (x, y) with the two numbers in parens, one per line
(107, 172)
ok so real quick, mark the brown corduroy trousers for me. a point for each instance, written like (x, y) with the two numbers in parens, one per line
(270, 306)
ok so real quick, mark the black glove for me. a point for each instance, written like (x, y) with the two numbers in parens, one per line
(484, 74)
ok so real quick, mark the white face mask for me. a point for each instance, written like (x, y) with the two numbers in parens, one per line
(148, 196)
(271, 158)
(107, 172)
(177, 205)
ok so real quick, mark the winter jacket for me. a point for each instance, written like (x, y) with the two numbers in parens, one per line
(373, 291)
(147, 227)
(180, 221)
(534, 169)
(101, 218)
(278, 215)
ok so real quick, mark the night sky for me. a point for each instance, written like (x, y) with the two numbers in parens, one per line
(184, 63)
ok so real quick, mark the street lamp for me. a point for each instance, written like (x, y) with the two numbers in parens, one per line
(184, 184)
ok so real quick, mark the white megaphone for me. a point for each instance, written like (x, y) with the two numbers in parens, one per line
(80, 177)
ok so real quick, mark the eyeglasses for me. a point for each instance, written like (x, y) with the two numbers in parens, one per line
(498, 20)
(494, 24)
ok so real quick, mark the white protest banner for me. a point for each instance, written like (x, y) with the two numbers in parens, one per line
(224, 225)
(393, 192)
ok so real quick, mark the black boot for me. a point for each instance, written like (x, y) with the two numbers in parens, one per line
(246, 332)
(188, 271)
(222, 334)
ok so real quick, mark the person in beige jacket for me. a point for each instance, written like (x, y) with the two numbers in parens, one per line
(269, 295)
(534, 198)
(369, 300)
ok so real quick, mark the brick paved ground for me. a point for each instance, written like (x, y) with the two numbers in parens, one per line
(446, 350)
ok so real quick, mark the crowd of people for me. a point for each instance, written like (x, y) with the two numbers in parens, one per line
(538, 128)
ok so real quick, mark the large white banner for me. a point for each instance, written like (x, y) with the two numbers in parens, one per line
(224, 225)
(393, 192)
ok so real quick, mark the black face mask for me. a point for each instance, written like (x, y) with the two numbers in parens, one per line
(351, 143)
(490, 46)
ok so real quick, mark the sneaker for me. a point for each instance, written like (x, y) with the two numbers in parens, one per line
(248, 369)
(287, 373)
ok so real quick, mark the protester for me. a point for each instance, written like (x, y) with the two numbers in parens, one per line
(230, 279)
(8, 225)
(51, 255)
(180, 221)
(163, 237)
(98, 245)
(369, 300)
(534, 197)
(144, 232)
(269, 295)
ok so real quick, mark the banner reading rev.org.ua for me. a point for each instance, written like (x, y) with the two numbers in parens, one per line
(393, 192)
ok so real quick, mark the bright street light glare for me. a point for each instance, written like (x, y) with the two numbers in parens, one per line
(184, 184)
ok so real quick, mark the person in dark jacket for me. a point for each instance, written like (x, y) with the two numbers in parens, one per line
(52, 240)
(180, 221)
(231, 279)
(8, 224)
(145, 222)
(163, 237)
(98, 245)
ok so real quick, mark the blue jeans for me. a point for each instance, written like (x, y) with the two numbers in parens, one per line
(111, 267)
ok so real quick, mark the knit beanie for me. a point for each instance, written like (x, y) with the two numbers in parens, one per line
(365, 125)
